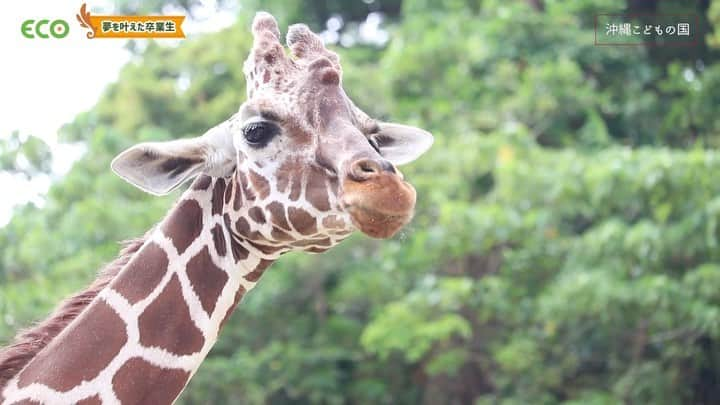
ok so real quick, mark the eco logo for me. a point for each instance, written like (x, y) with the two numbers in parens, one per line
(44, 29)
(118, 26)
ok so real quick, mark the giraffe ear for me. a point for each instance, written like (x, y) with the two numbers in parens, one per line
(160, 167)
(402, 144)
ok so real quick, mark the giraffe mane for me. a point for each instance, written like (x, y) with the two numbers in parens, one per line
(28, 343)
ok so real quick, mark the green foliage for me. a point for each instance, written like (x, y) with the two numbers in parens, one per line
(565, 246)
(27, 156)
(422, 319)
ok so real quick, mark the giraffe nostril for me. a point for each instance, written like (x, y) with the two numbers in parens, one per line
(365, 169)
(330, 76)
(368, 168)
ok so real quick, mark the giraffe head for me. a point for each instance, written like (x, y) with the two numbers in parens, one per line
(302, 165)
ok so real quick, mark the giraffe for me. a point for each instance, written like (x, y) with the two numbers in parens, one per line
(298, 168)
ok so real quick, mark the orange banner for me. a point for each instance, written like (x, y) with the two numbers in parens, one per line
(120, 26)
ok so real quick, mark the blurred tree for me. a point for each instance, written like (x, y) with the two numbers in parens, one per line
(25, 155)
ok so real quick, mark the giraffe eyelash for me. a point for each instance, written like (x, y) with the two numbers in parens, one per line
(259, 133)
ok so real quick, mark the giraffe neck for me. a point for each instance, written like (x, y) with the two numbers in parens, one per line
(145, 334)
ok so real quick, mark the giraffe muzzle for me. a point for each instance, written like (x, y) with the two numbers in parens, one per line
(378, 200)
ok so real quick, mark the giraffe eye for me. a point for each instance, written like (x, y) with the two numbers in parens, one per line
(258, 134)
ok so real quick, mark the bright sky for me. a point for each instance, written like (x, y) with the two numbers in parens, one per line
(45, 83)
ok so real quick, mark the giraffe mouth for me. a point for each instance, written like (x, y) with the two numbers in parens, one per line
(380, 207)
(375, 223)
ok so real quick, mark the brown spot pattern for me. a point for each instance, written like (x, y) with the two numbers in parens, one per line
(277, 213)
(316, 192)
(254, 275)
(184, 224)
(142, 274)
(238, 251)
(207, 279)
(218, 237)
(296, 129)
(312, 242)
(25, 402)
(237, 198)
(64, 366)
(217, 196)
(257, 215)
(302, 221)
(267, 249)
(296, 188)
(228, 192)
(93, 400)
(242, 226)
(238, 296)
(284, 175)
(139, 382)
(228, 222)
(280, 235)
(247, 191)
(260, 184)
(202, 183)
(166, 323)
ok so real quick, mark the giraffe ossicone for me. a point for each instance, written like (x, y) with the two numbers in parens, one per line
(298, 167)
